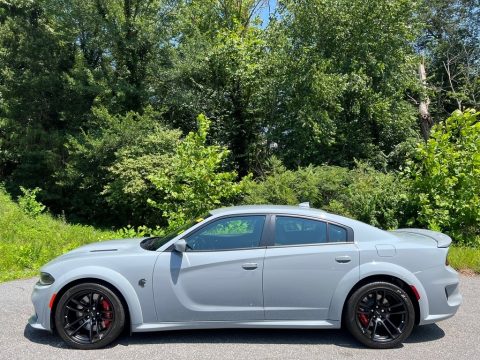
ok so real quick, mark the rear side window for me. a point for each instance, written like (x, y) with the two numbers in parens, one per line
(337, 233)
(236, 232)
(298, 231)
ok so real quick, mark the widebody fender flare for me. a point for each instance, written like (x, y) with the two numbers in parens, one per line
(374, 268)
(111, 277)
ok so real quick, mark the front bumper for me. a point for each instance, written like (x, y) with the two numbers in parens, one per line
(442, 288)
(33, 322)
(41, 296)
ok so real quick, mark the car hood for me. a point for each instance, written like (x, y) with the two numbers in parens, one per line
(110, 247)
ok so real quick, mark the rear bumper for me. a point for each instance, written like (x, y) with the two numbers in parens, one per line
(443, 294)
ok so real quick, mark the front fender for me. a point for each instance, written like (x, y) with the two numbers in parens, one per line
(108, 275)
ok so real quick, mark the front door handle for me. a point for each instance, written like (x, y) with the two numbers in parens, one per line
(250, 266)
(343, 259)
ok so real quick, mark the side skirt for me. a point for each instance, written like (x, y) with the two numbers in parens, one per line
(262, 324)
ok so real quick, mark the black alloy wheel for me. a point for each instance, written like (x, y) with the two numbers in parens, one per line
(89, 316)
(380, 315)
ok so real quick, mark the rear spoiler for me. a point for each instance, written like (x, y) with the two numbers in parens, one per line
(442, 240)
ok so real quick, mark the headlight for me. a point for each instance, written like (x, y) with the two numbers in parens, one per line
(45, 279)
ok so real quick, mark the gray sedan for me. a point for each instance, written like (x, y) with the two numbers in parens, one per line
(252, 267)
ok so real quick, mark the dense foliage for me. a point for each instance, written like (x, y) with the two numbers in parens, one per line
(192, 182)
(362, 193)
(106, 177)
(317, 100)
(341, 73)
(446, 178)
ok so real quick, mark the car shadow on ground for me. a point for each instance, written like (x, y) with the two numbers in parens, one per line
(241, 336)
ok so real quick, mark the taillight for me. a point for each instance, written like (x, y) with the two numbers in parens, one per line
(447, 263)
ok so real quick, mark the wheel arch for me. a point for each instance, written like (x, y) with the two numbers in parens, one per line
(389, 279)
(109, 278)
(379, 271)
(73, 283)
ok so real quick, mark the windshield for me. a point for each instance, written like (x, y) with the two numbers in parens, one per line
(154, 243)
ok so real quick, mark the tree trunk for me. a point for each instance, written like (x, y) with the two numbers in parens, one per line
(426, 121)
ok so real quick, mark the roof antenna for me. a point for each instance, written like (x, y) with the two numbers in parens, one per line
(305, 205)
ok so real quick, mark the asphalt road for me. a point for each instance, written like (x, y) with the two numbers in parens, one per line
(454, 339)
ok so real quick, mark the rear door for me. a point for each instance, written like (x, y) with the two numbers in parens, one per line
(219, 277)
(303, 266)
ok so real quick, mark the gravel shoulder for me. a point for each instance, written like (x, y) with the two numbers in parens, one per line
(456, 338)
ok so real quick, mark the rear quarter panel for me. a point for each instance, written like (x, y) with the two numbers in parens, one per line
(416, 260)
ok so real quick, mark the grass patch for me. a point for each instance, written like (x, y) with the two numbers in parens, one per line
(27, 243)
(465, 259)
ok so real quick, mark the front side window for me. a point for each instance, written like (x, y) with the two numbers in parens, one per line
(236, 232)
(155, 242)
(298, 231)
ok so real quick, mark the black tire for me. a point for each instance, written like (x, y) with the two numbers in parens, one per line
(380, 315)
(89, 316)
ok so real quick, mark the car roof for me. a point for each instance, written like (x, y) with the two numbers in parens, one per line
(267, 209)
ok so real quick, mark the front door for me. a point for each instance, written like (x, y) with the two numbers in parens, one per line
(218, 278)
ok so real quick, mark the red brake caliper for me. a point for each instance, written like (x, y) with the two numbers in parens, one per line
(363, 319)
(108, 315)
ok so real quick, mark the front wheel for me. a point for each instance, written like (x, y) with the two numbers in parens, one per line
(380, 315)
(89, 316)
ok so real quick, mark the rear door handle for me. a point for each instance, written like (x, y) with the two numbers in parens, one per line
(250, 266)
(343, 259)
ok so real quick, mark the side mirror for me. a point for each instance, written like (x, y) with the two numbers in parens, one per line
(180, 246)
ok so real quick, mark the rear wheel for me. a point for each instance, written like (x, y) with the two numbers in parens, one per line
(89, 316)
(380, 315)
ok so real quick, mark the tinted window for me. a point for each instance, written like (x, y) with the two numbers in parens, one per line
(336, 233)
(297, 231)
(239, 232)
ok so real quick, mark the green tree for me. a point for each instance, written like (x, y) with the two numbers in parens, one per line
(120, 43)
(339, 83)
(35, 99)
(219, 68)
(450, 45)
(58, 60)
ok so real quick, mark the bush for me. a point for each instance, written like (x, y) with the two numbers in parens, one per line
(107, 173)
(28, 202)
(374, 197)
(193, 181)
(362, 193)
(445, 176)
